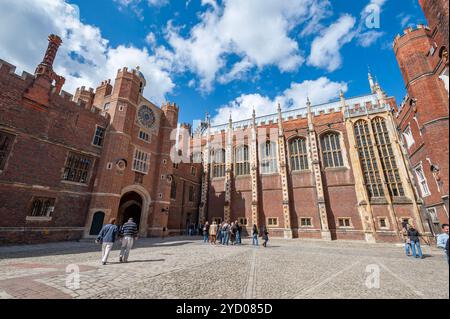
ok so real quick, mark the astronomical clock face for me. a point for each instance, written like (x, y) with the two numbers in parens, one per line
(146, 116)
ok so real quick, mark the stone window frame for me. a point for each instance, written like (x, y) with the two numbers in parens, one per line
(218, 163)
(350, 226)
(98, 140)
(5, 151)
(408, 136)
(385, 148)
(342, 150)
(67, 169)
(144, 136)
(242, 161)
(367, 160)
(241, 219)
(306, 154)
(51, 204)
(193, 171)
(310, 222)
(434, 214)
(141, 161)
(424, 192)
(271, 225)
(272, 158)
(386, 219)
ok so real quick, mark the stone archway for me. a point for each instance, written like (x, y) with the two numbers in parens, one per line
(135, 198)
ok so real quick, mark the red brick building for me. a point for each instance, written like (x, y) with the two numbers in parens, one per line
(68, 164)
(330, 171)
(422, 54)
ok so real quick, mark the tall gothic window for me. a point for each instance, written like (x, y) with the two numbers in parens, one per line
(219, 163)
(6, 141)
(269, 158)
(173, 189)
(77, 168)
(242, 161)
(368, 161)
(331, 150)
(298, 154)
(387, 157)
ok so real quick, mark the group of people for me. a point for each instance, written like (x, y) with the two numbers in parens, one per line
(226, 233)
(412, 241)
(111, 232)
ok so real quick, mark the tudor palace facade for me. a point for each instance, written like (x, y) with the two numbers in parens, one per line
(355, 168)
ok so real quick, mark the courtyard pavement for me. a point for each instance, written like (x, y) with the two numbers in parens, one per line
(184, 267)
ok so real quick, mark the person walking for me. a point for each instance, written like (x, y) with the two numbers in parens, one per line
(128, 233)
(414, 235)
(107, 237)
(255, 235)
(213, 233)
(406, 240)
(205, 232)
(265, 236)
(442, 239)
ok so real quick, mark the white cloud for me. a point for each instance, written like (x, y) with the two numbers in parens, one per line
(368, 38)
(85, 57)
(150, 38)
(321, 90)
(405, 19)
(256, 31)
(325, 49)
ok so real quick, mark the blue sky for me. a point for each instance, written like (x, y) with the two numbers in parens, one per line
(217, 56)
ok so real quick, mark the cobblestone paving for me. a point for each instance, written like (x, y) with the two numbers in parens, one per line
(187, 268)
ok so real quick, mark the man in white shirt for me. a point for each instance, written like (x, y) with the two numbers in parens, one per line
(443, 238)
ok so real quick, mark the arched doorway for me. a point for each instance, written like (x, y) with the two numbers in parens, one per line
(97, 223)
(130, 207)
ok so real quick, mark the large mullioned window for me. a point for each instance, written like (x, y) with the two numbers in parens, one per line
(331, 150)
(242, 166)
(298, 154)
(387, 157)
(6, 141)
(77, 168)
(368, 161)
(269, 158)
(219, 163)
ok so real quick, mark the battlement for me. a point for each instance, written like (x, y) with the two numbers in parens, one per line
(420, 28)
(9, 69)
(168, 106)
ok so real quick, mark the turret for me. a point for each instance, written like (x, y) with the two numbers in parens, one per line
(87, 96)
(171, 112)
(101, 92)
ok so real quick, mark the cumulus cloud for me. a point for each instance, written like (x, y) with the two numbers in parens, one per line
(325, 49)
(259, 32)
(85, 58)
(321, 90)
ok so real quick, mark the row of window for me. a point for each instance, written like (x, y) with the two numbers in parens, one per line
(99, 136)
(344, 222)
(298, 156)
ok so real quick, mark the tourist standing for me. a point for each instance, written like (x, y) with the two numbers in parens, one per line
(224, 233)
(443, 238)
(219, 232)
(255, 235)
(232, 233)
(213, 233)
(265, 235)
(414, 235)
(406, 239)
(129, 233)
(205, 232)
(238, 233)
(107, 237)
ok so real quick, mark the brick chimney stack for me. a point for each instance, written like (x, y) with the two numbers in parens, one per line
(45, 68)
